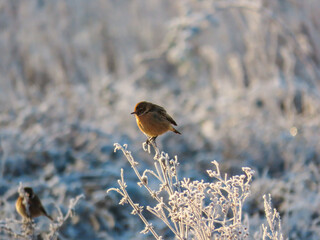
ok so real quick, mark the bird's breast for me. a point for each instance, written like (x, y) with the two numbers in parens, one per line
(21, 209)
(153, 124)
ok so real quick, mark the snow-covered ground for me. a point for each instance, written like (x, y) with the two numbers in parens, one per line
(241, 79)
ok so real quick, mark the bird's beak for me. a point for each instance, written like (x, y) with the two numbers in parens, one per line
(133, 113)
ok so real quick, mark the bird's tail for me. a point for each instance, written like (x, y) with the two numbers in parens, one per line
(48, 216)
(175, 131)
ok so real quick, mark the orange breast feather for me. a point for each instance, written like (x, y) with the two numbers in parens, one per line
(152, 124)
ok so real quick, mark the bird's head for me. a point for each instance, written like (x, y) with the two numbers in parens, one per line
(28, 191)
(142, 108)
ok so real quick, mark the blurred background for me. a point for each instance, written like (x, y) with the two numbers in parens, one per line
(241, 78)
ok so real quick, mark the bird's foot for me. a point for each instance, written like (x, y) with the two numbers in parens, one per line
(151, 140)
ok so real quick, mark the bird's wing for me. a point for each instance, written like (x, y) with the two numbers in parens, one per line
(170, 119)
(45, 213)
(37, 204)
(165, 114)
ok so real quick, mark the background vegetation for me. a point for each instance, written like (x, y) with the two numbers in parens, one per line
(241, 78)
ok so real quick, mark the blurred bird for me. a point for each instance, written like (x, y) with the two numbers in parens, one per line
(34, 204)
(153, 120)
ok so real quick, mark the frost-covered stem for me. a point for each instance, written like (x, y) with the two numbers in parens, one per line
(239, 215)
(28, 228)
(175, 163)
(137, 211)
(54, 227)
(133, 165)
(272, 219)
(165, 220)
(161, 176)
(156, 149)
(164, 171)
(198, 213)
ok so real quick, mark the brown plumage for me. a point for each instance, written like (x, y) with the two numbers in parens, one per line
(153, 120)
(35, 206)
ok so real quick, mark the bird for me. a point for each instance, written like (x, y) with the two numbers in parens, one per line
(34, 204)
(153, 120)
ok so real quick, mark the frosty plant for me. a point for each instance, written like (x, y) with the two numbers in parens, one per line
(273, 230)
(190, 209)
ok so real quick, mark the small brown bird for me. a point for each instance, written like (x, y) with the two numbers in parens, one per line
(153, 120)
(35, 206)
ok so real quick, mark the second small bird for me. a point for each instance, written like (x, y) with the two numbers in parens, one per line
(35, 208)
(153, 120)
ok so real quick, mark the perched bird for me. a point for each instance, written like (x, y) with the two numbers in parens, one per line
(33, 203)
(153, 120)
